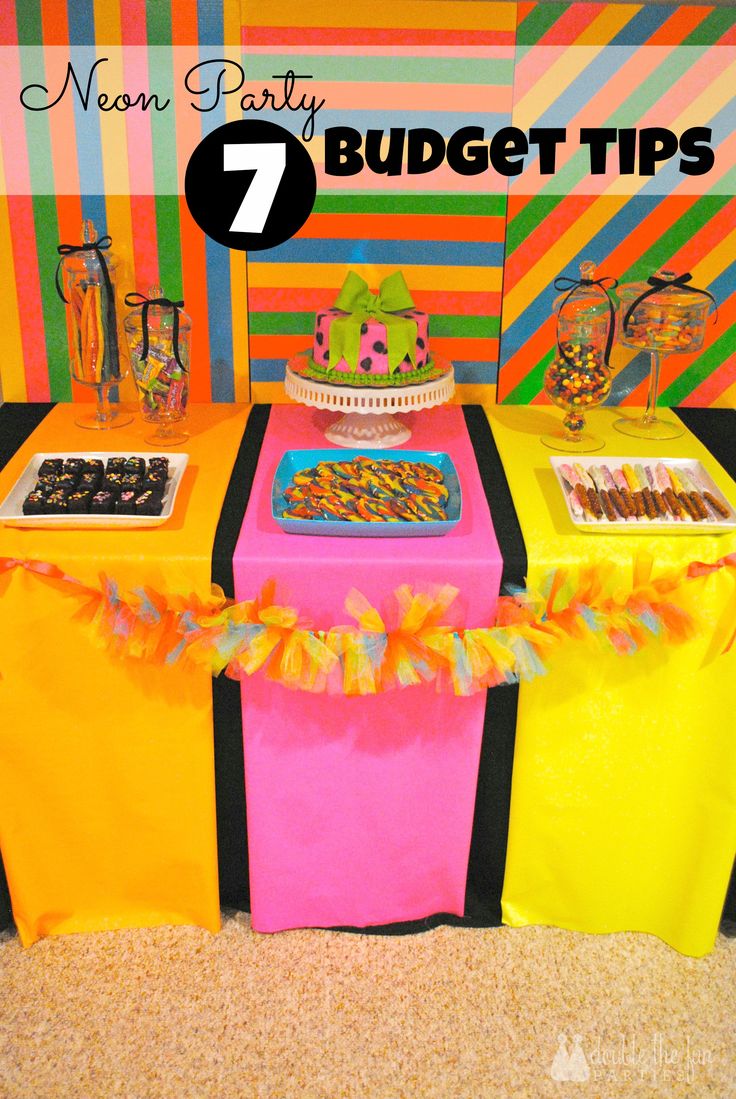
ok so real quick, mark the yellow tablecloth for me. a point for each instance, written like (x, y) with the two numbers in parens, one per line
(623, 808)
(107, 814)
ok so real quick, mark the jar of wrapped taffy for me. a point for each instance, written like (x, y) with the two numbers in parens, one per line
(663, 314)
(158, 332)
(579, 377)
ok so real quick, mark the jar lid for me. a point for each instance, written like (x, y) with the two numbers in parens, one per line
(663, 296)
(158, 308)
(584, 298)
(87, 255)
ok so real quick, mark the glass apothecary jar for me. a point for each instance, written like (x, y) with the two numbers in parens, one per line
(662, 316)
(579, 377)
(158, 332)
(98, 361)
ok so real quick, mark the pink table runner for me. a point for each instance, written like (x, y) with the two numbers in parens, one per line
(360, 809)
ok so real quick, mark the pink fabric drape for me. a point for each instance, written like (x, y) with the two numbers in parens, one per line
(360, 809)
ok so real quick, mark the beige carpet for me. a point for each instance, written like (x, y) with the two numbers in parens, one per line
(452, 1014)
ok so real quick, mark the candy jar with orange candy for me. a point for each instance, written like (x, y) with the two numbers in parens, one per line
(664, 316)
(579, 378)
(98, 357)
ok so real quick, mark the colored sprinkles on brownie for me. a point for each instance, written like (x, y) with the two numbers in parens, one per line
(80, 501)
(122, 486)
(34, 503)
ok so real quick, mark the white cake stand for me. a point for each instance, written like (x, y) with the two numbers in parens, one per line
(369, 418)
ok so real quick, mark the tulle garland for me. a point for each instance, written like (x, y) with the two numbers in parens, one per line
(409, 645)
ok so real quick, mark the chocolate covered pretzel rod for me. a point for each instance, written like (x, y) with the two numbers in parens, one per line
(664, 484)
(659, 504)
(649, 504)
(600, 483)
(716, 504)
(718, 507)
(692, 487)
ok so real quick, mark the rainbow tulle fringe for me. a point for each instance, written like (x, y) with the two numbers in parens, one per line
(406, 645)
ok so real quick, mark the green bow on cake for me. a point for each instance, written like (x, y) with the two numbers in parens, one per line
(356, 299)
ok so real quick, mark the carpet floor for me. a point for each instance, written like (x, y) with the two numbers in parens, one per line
(176, 1013)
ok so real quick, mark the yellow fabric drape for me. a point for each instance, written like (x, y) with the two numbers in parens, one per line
(107, 811)
(623, 807)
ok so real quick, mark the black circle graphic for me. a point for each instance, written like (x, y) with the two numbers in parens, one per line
(215, 195)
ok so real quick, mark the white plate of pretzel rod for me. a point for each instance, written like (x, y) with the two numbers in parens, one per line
(642, 495)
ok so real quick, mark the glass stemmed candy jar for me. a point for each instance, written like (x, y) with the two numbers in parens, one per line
(158, 333)
(579, 377)
(98, 360)
(663, 316)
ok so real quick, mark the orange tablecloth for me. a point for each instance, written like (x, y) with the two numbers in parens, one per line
(107, 814)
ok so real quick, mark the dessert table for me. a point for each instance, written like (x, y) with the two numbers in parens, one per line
(122, 790)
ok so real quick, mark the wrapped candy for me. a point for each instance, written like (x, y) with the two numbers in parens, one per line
(158, 334)
(664, 315)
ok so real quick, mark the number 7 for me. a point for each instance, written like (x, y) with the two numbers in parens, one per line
(269, 162)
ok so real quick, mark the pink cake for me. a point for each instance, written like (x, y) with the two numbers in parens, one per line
(373, 354)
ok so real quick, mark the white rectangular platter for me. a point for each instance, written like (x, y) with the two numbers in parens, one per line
(659, 525)
(11, 509)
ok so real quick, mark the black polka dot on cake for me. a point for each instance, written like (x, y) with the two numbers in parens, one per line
(363, 329)
(420, 342)
(406, 359)
(319, 338)
(367, 363)
(327, 356)
(379, 347)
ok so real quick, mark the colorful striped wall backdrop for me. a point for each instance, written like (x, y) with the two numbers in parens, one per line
(622, 65)
(479, 256)
(123, 170)
(422, 63)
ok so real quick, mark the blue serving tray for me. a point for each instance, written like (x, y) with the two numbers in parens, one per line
(295, 460)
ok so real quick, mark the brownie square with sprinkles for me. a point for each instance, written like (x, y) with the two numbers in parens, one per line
(74, 466)
(57, 502)
(126, 503)
(80, 501)
(34, 504)
(149, 503)
(91, 479)
(136, 465)
(103, 502)
(51, 467)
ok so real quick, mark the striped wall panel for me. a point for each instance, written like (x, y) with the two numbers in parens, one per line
(423, 63)
(479, 261)
(125, 171)
(619, 79)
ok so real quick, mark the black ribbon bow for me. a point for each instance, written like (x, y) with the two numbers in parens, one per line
(563, 283)
(135, 299)
(96, 246)
(656, 284)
